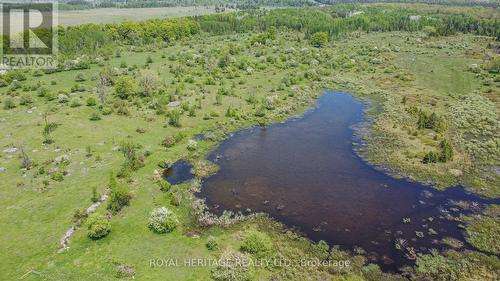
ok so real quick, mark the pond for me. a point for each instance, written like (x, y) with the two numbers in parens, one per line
(178, 173)
(306, 174)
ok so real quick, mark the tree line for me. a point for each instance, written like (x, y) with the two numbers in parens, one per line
(339, 19)
(103, 39)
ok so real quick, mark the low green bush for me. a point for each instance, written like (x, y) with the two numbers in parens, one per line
(256, 243)
(97, 226)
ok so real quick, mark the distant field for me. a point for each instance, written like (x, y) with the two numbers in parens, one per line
(113, 15)
(109, 15)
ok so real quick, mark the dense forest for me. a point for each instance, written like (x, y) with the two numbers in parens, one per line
(486, 3)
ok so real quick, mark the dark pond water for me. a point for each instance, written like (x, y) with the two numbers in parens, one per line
(178, 173)
(306, 174)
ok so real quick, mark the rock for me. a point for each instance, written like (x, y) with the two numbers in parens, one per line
(174, 104)
(62, 158)
(2, 169)
(10, 150)
(126, 271)
(62, 98)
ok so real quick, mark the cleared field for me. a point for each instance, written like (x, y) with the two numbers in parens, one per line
(113, 15)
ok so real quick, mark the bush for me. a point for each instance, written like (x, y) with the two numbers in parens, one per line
(98, 226)
(42, 91)
(25, 100)
(257, 243)
(444, 155)
(446, 151)
(125, 87)
(57, 176)
(430, 31)
(162, 220)
(174, 118)
(75, 102)
(119, 196)
(168, 141)
(95, 116)
(431, 157)
(319, 39)
(432, 121)
(212, 243)
(321, 250)
(233, 267)
(8, 103)
(80, 77)
(164, 185)
(91, 101)
(192, 145)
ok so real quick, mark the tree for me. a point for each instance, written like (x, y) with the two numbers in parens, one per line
(125, 87)
(446, 151)
(148, 81)
(118, 197)
(103, 82)
(319, 39)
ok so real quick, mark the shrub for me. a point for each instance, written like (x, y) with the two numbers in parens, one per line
(75, 103)
(95, 116)
(57, 176)
(8, 103)
(256, 243)
(91, 101)
(174, 117)
(446, 151)
(162, 220)
(98, 226)
(168, 141)
(125, 87)
(26, 100)
(431, 157)
(164, 185)
(133, 161)
(321, 250)
(119, 196)
(42, 91)
(430, 31)
(233, 267)
(445, 154)
(80, 77)
(192, 145)
(3, 83)
(95, 195)
(212, 243)
(432, 121)
(319, 39)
